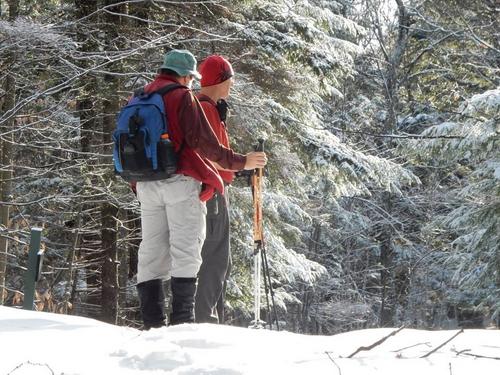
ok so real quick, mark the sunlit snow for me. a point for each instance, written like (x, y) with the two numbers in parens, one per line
(44, 343)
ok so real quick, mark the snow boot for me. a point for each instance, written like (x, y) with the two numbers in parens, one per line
(152, 299)
(183, 292)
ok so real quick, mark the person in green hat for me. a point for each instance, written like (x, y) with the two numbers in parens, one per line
(173, 210)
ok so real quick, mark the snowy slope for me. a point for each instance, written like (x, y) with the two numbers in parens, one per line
(42, 343)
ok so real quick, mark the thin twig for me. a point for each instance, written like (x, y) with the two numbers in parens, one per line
(462, 352)
(335, 363)
(412, 346)
(365, 348)
(443, 344)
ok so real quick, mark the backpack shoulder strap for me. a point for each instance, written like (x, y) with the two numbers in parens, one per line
(203, 99)
(165, 90)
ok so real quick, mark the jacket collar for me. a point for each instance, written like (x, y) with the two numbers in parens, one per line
(206, 98)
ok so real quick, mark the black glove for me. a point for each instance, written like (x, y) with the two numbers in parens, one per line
(222, 108)
(244, 173)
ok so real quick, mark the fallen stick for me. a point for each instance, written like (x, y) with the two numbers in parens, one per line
(335, 363)
(411, 346)
(443, 344)
(366, 348)
(462, 352)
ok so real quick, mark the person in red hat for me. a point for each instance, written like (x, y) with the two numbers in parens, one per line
(217, 79)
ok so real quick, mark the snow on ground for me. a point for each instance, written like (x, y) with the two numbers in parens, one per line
(43, 343)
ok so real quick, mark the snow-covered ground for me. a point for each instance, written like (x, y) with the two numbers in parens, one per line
(42, 343)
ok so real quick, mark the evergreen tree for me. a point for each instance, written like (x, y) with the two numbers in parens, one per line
(337, 90)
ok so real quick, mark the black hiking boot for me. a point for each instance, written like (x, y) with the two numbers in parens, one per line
(152, 299)
(183, 292)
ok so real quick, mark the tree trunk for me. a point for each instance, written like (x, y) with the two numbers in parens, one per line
(394, 63)
(493, 15)
(123, 268)
(86, 99)
(386, 261)
(134, 242)
(89, 253)
(109, 271)
(6, 160)
(387, 307)
(6, 176)
(110, 287)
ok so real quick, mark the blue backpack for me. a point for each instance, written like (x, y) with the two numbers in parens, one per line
(142, 149)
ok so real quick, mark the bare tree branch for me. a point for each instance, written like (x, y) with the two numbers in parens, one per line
(443, 344)
(335, 363)
(463, 352)
(376, 343)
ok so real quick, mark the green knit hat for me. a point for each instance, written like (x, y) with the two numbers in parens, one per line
(182, 62)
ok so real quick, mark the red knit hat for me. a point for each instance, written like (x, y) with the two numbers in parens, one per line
(215, 69)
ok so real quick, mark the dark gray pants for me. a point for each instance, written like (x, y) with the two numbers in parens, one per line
(216, 260)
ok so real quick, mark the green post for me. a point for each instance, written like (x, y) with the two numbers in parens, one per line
(31, 274)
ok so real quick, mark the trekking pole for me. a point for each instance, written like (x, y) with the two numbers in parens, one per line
(267, 281)
(260, 260)
(258, 238)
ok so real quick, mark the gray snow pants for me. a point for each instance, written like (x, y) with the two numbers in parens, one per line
(216, 260)
(173, 228)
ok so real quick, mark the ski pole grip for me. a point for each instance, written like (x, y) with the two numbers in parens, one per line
(260, 146)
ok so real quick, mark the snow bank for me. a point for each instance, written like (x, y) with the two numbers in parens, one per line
(43, 343)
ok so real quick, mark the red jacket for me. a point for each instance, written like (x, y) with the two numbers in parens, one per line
(219, 128)
(194, 138)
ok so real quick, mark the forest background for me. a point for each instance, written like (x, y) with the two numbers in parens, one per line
(381, 120)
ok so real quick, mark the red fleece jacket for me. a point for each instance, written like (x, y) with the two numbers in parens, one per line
(219, 128)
